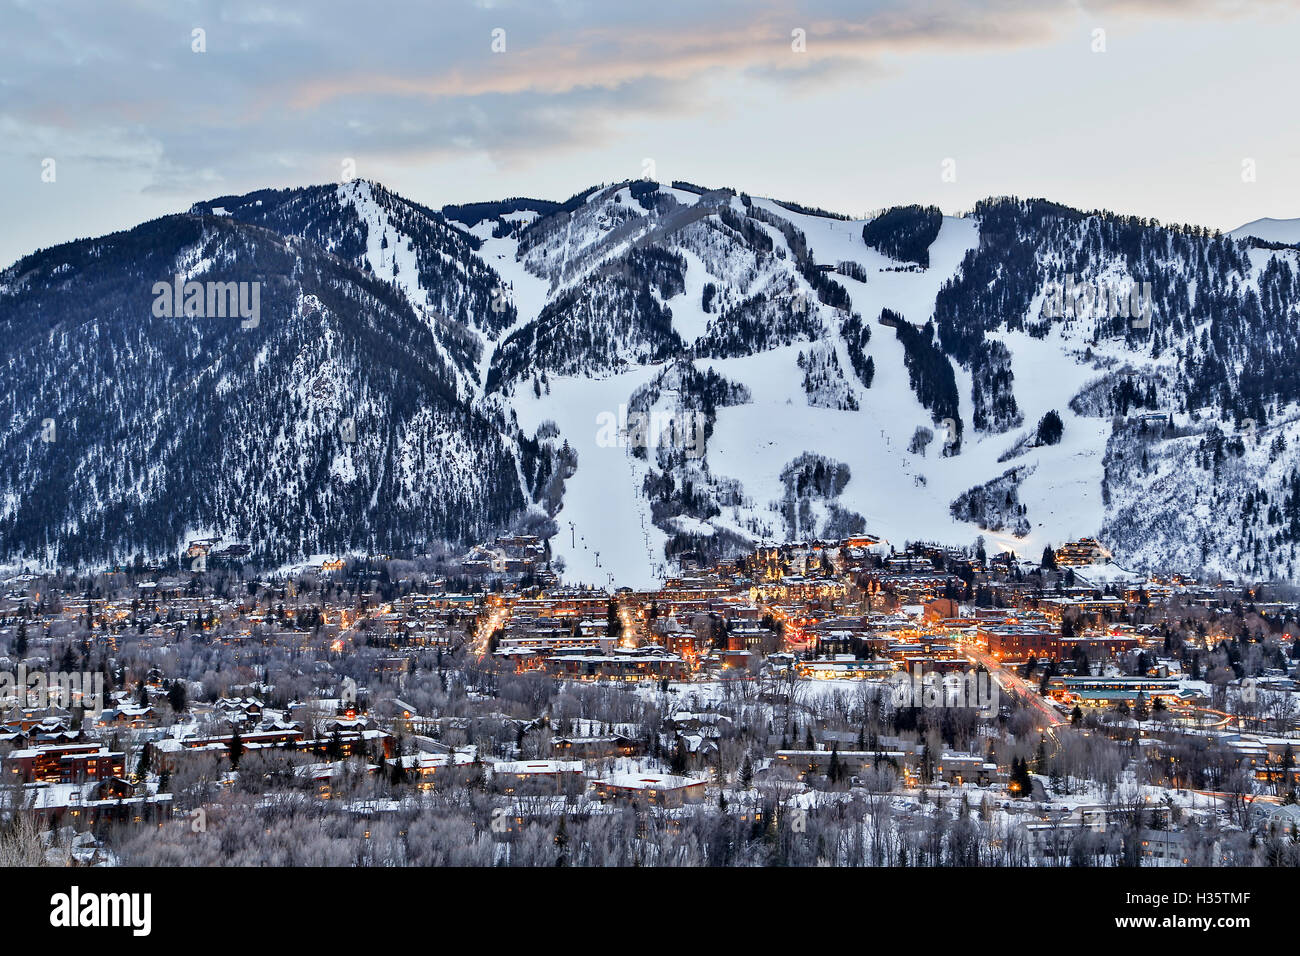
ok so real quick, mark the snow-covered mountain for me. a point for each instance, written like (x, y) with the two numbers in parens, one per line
(802, 374)
(335, 420)
(1284, 231)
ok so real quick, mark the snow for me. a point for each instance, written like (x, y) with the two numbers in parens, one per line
(397, 263)
(901, 495)
(689, 525)
(911, 294)
(602, 501)
(1063, 494)
(753, 443)
(525, 290)
(1100, 575)
(690, 321)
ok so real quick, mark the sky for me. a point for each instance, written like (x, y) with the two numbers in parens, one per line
(115, 113)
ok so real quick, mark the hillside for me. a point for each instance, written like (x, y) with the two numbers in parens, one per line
(827, 375)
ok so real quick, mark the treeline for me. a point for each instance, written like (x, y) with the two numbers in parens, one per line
(905, 233)
(1235, 342)
(856, 335)
(471, 214)
(606, 321)
(929, 372)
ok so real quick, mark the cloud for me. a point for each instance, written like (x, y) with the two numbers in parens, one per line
(290, 86)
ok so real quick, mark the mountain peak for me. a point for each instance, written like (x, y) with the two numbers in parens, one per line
(1284, 231)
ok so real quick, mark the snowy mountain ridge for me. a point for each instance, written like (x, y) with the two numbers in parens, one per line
(904, 375)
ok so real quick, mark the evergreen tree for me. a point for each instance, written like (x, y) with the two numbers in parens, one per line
(562, 842)
(1140, 711)
(677, 765)
(1050, 428)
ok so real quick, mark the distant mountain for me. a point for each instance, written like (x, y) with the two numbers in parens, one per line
(1284, 231)
(815, 375)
